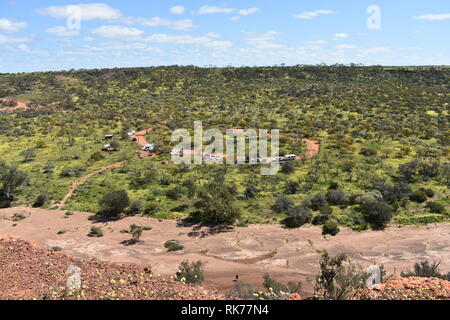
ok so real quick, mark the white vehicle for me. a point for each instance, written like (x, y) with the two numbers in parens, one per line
(131, 133)
(290, 157)
(148, 147)
(277, 159)
(175, 153)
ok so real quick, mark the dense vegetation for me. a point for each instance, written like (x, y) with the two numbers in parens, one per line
(383, 131)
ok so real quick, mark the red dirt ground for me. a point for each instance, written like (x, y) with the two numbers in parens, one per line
(413, 288)
(289, 255)
(30, 272)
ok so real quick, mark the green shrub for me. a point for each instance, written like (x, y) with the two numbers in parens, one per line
(298, 216)
(277, 290)
(377, 213)
(96, 156)
(368, 152)
(173, 245)
(283, 204)
(216, 205)
(287, 167)
(190, 272)
(428, 192)
(330, 227)
(40, 200)
(337, 280)
(418, 196)
(113, 203)
(436, 207)
(96, 232)
(18, 217)
(175, 193)
(427, 270)
(135, 207)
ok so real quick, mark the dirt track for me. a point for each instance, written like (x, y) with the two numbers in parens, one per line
(83, 179)
(20, 105)
(250, 251)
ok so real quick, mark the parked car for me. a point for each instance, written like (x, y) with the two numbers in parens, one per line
(290, 157)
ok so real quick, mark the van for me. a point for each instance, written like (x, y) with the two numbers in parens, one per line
(290, 157)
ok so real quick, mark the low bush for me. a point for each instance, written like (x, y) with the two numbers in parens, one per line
(173, 245)
(190, 272)
(330, 227)
(418, 196)
(298, 216)
(436, 207)
(96, 232)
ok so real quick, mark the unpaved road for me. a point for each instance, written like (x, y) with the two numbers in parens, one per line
(19, 105)
(250, 252)
(83, 179)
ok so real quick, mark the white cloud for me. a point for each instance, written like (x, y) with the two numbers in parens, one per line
(312, 14)
(9, 26)
(434, 17)
(117, 32)
(246, 12)
(265, 41)
(346, 46)
(182, 25)
(214, 9)
(318, 42)
(92, 11)
(206, 41)
(62, 31)
(213, 35)
(24, 48)
(375, 50)
(340, 36)
(5, 39)
(177, 10)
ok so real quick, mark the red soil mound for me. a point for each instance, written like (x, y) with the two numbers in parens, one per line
(413, 288)
(30, 272)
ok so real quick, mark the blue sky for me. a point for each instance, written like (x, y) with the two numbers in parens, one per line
(40, 35)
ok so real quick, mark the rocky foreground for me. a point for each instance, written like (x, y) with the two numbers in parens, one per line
(412, 288)
(30, 272)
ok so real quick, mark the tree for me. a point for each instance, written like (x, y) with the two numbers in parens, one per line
(318, 201)
(292, 187)
(377, 213)
(330, 227)
(11, 180)
(175, 193)
(251, 191)
(337, 197)
(28, 154)
(283, 204)
(113, 203)
(298, 216)
(40, 200)
(287, 167)
(216, 205)
(418, 196)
